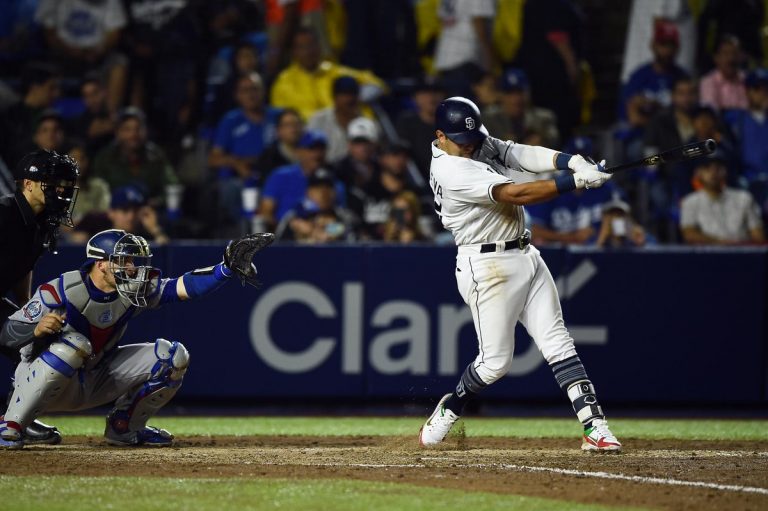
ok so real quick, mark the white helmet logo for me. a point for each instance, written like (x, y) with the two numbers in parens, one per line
(32, 169)
(470, 122)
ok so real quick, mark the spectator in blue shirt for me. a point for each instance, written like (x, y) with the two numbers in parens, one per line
(750, 132)
(286, 186)
(649, 89)
(650, 86)
(240, 138)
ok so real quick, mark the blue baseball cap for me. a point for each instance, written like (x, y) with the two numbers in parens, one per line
(346, 85)
(757, 77)
(312, 139)
(513, 79)
(126, 197)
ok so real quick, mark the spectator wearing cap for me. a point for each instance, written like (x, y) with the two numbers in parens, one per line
(360, 164)
(40, 89)
(282, 151)
(516, 116)
(417, 125)
(132, 159)
(318, 218)
(241, 137)
(619, 230)
(335, 121)
(723, 87)
(287, 185)
(749, 129)
(129, 211)
(717, 214)
(650, 86)
(307, 84)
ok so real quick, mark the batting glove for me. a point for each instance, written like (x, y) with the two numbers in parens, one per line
(588, 174)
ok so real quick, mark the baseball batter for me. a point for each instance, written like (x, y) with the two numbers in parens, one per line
(69, 333)
(500, 275)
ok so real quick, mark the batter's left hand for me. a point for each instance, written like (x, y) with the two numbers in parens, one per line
(577, 163)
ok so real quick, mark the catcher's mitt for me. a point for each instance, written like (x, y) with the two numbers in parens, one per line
(238, 256)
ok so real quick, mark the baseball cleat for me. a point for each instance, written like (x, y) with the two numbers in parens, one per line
(10, 435)
(40, 433)
(438, 425)
(599, 438)
(117, 433)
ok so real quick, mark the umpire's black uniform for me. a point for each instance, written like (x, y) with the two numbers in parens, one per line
(22, 237)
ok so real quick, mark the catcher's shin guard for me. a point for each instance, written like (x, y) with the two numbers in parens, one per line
(41, 382)
(167, 374)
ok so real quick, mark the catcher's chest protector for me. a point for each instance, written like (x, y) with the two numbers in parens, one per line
(102, 318)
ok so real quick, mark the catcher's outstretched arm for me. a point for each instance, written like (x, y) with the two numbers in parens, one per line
(202, 281)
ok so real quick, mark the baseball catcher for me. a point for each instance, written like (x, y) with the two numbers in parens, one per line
(68, 334)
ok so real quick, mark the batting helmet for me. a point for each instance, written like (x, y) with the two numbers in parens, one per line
(459, 118)
(131, 259)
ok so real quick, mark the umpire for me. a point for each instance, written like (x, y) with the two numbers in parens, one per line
(45, 195)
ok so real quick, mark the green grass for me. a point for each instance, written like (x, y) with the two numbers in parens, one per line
(59, 493)
(707, 429)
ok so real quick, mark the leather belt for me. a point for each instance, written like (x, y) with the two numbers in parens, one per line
(516, 244)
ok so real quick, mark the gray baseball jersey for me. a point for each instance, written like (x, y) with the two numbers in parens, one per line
(101, 317)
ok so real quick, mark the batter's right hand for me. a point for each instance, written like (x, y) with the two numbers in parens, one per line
(592, 178)
(51, 324)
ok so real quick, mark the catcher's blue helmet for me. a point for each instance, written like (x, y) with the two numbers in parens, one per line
(131, 259)
(459, 118)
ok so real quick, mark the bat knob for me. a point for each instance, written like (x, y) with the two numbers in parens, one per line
(710, 146)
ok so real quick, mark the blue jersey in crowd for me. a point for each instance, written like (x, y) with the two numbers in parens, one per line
(571, 211)
(287, 186)
(646, 81)
(751, 132)
(238, 136)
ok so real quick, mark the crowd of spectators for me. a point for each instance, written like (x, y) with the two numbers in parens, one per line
(313, 118)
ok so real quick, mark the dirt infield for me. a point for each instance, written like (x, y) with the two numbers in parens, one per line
(687, 475)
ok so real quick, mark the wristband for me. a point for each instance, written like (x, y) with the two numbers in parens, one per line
(561, 161)
(203, 281)
(565, 183)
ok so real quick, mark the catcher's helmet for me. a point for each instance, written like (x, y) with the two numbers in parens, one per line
(459, 118)
(131, 259)
(57, 174)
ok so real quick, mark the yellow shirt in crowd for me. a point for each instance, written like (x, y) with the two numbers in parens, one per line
(310, 91)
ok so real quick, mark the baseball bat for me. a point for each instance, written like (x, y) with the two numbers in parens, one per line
(683, 152)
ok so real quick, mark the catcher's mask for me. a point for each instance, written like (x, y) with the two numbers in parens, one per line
(130, 262)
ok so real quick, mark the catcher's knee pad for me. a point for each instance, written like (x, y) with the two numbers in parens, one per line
(172, 361)
(41, 382)
(164, 382)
